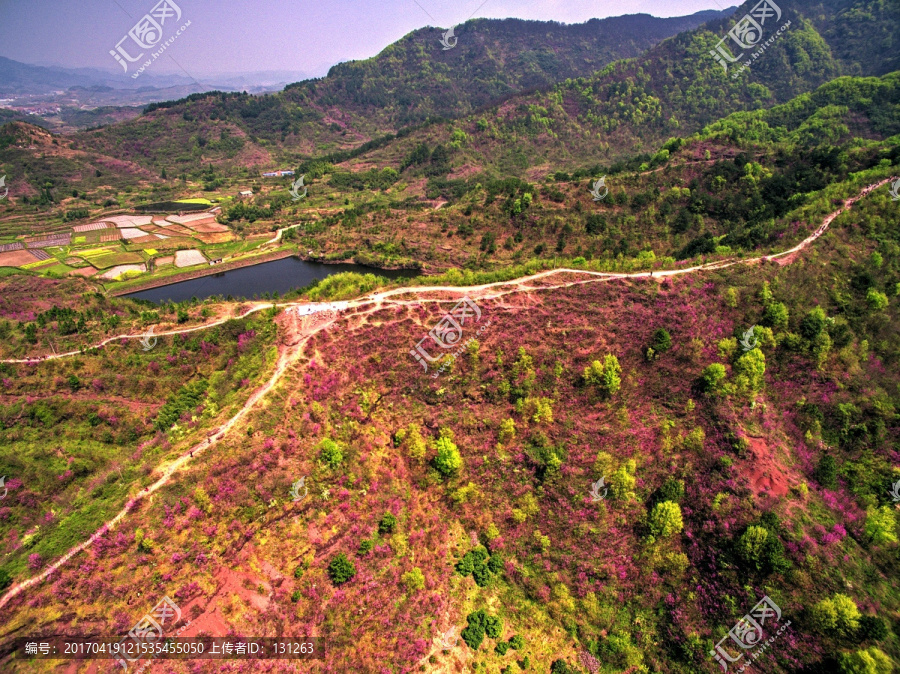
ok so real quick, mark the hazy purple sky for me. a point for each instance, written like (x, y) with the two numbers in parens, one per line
(256, 35)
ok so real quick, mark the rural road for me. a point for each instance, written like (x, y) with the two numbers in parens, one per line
(288, 355)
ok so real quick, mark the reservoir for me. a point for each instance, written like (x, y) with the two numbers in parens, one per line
(278, 276)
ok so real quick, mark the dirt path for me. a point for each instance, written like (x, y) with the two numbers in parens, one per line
(286, 357)
(291, 352)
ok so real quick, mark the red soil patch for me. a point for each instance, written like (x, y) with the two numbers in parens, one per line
(84, 271)
(465, 171)
(763, 471)
(16, 258)
(208, 227)
(787, 259)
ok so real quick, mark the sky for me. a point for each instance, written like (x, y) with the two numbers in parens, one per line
(300, 36)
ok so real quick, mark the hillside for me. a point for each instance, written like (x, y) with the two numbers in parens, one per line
(632, 107)
(767, 474)
(750, 183)
(407, 83)
(677, 398)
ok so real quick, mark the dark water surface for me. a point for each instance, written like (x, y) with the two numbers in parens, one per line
(277, 276)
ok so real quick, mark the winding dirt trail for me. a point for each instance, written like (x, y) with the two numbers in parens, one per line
(292, 352)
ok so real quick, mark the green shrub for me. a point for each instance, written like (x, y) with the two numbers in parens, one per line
(414, 579)
(873, 627)
(387, 523)
(341, 569)
(878, 301)
(365, 546)
(502, 647)
(776, 316)
(507, 430)
(517, 642)
(868, 661)
(826, 471)
(561, 667)
(448, 460)
(712, 378)
(330, 453)
(295, 596)
(604, 375)
(665, 519)
(414, 442)
(837, 614)
(881, 525)
(813, 323)
(185, 399)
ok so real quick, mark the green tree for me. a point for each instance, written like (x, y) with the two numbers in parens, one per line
(837, 614)
(604, 375)
(414, 579)
(867, 661)
(813, 323)
(662, 340)
(623, 481)
(826, 471)
(712, 378)
(881, 525)
(330, 452)
(74, 382)
(776, 315)
(752, 545)
(878, 301)
(341, 569)
(387, 523)
(448, 460)
(479, 624)
(31, 333)
(749, 370)
(665, 519)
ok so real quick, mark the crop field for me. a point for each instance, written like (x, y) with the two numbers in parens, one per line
(17, 258)
(93, 226)
(188, 258)
(111, 259)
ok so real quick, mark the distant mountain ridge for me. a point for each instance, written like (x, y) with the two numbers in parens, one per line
(18, 78)
(415, 79)
(407, 83)
(674, 89)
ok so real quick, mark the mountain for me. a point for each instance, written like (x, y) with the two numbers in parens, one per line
(407, 83)
(633, 106)
(414, 79)
(21, 78)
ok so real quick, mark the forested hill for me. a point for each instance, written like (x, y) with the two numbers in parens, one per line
(408, 82)
(677, 87)
(415, 79)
